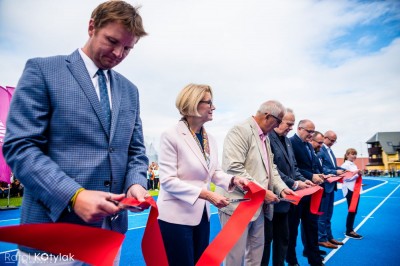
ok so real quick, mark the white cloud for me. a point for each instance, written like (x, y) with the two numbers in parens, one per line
(248, 51)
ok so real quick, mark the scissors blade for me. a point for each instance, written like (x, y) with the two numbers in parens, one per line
(125, 206)
(238, 200)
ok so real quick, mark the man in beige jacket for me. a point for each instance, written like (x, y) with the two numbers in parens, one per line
(247, 153)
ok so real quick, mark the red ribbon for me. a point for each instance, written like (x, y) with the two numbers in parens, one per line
(340, 178)
(356, 194)
(99, 247)
(335, 178)
(88, 244)
(234, 228)
(357, 188)
(316, 195)
(152, 244)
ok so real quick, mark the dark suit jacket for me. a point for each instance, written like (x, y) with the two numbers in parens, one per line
(307, 166)
(57, 141)
(286, 164)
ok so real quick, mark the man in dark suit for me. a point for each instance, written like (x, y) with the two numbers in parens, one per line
(308, 166)
(328, 160)
(316, 142)
(74, 137)
(277, 230)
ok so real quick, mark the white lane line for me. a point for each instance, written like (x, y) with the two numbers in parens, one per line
(361, 224)
(363, 192)
(138, 214)
(138, 227)
(374, 187)
(7, 251)
(9, 220)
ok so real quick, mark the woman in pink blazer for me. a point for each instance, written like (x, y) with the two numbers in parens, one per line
(188, 162)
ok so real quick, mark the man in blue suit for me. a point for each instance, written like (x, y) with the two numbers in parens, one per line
(74, 137)
(277, 230)
(328, 159)
(309, 167)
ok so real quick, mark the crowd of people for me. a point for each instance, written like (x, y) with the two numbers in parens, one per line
(153, 177)
(74, 138)
(15, 189)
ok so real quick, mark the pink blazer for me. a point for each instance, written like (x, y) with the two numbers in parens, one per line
(183, 174)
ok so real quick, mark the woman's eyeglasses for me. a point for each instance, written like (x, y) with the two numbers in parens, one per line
(207, 102)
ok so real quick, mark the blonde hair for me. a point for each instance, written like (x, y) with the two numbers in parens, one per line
(350, 151)
(189, 97)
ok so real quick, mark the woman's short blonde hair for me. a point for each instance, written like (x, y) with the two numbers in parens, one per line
(189, 97)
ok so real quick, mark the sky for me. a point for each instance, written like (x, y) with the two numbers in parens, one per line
(334, 62)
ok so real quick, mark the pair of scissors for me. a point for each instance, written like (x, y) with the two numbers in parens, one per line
(238, 200)
(125, 206)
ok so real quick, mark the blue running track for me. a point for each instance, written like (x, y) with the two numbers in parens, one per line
(378, 220)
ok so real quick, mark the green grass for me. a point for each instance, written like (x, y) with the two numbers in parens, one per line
(155, 192)
(14, 201)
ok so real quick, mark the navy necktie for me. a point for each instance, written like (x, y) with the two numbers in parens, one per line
(308, 150)
(104, 100)
(333, 157)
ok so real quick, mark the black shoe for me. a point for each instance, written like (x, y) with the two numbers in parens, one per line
(321, 252)
(353, 235)
(296, 264)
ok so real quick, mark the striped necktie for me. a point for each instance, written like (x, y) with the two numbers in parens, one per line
(104, 100)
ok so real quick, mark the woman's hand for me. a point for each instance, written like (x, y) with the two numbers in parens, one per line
(216, 199)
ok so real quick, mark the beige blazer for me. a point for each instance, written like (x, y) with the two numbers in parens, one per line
(243, 156)
(183, 174)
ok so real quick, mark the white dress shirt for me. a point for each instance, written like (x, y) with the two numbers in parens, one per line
(92, 69)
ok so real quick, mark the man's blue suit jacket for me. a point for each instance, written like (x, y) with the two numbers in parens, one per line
(328, 168)
(307, 166)
(286, 164)
(57, 142)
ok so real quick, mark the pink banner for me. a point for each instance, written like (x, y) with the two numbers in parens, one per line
(10, 90)
(5, 99)
(5, 171)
